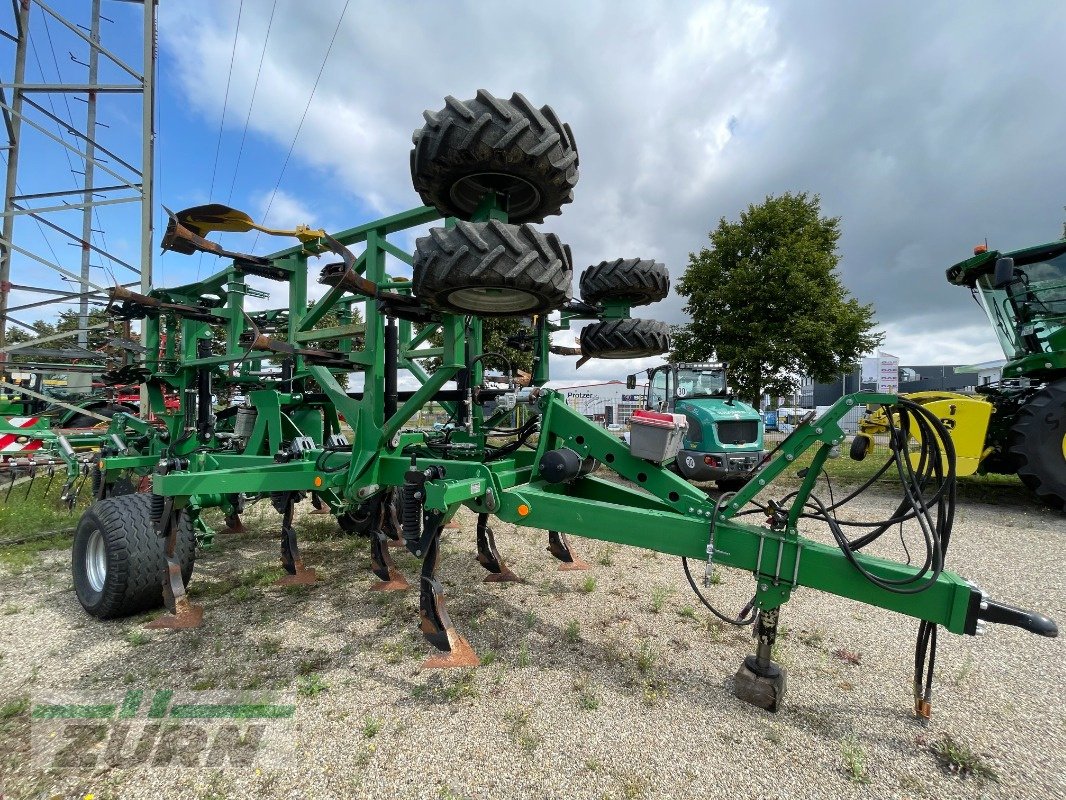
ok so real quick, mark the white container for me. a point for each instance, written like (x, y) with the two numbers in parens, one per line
(655, 436)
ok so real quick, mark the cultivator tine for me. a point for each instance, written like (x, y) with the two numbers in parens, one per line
(488, 557)
(382, 565)
(10, 486)
(233, 523)
(392, 525)
(299, 575)
(33, 476)
(434, 621)
(559, 547)
(183, 613)
(51, 477)
(319, 506)
(233, 515)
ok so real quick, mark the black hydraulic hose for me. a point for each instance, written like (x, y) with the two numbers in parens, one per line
(748, 614)
(391, 368)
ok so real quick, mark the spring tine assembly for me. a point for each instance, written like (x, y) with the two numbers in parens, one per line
(435, 623)
(489, 557)
(559, 547)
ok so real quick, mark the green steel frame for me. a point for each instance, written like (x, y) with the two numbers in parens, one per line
(656, 509)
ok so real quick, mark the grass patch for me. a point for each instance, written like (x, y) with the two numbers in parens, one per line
(854, 758)
(39, 512)
(588, 586)
(520, 731)
(372, 727)
(311, 685)
(687, 612)
(658, 600)
(959, 759)
(15, 707)
(523, 655)
(572, 632)
(463, 687)
(136, 637)
(19, 557)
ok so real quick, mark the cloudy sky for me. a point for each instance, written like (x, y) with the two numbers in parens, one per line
(927, 127)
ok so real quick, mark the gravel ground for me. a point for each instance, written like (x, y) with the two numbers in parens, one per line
(611, 683)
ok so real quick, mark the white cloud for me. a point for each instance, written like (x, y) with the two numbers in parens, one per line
(925, 127)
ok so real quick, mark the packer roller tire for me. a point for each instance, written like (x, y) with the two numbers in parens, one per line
(636, 281)
(471, 148)
(492, 269)
(625, 338)
(1037, 444)
(118, 561)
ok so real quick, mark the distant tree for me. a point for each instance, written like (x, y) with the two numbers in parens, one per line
(765, 297)
(1064, 225)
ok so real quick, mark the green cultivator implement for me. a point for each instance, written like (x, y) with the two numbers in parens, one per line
(491, 168)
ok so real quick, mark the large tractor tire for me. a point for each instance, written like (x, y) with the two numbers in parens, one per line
(473, 147)
(625, 338)
(492, 269)
(1037, 443)
(634, 280)
(118, 561)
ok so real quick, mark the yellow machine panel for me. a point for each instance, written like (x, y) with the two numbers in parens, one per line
(965, 416)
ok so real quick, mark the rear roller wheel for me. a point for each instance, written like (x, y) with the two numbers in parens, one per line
(625, 338)
(492, 269)
(633, 280)
(471, 148)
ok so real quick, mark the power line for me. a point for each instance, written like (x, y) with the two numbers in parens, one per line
(225, 100)
(222, 122)
(251, 103)
(303, 116)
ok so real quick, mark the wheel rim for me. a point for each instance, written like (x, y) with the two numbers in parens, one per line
(490, 300)
(468, 192)
(96, 561)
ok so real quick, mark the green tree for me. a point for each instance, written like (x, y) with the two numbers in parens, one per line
(765, 298)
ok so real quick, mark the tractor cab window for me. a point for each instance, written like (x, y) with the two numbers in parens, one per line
(659, 390)
(1030, 310)
(701, 382)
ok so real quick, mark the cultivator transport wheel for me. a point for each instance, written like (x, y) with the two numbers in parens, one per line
(625, 338)
(118, 560)
(85, 421)
(1037, 442)
(492, 269)
(472, 148)
(635, 281)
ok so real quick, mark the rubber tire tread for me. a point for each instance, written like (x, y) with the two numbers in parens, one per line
(492, 254)
(638, 281)
(136, 559)
(1035, 443)
(625, 338)
(491, 135)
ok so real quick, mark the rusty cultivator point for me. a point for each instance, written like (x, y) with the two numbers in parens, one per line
(490, 170)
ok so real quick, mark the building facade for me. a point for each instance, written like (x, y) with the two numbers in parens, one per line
(609, 403)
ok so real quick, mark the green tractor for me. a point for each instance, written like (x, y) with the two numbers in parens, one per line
(724, 439)
(1023, 292)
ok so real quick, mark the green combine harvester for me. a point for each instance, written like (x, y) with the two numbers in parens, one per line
(490, 170)
(1018, 425)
